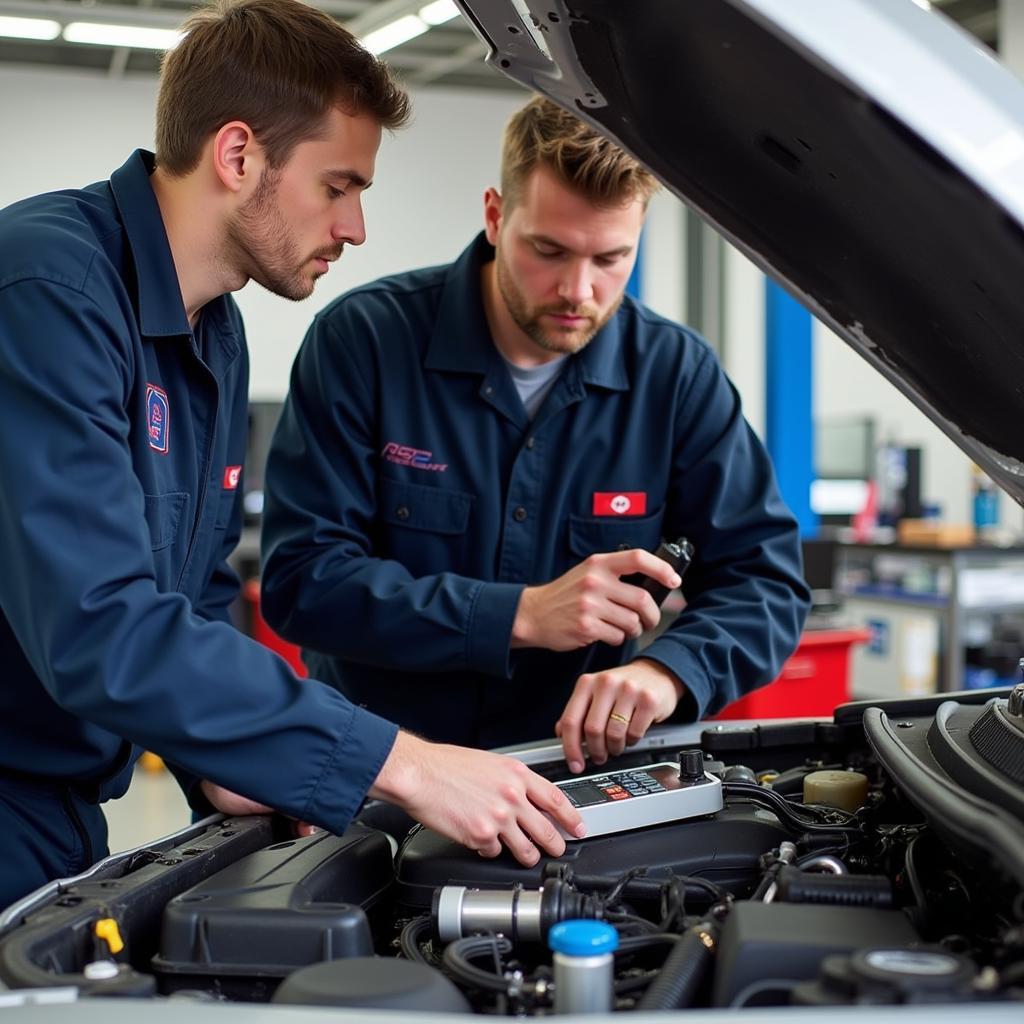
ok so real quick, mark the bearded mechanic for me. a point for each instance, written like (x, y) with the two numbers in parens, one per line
(471, 458)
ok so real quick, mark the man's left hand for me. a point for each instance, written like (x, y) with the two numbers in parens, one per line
(235, 805)
(614, 709)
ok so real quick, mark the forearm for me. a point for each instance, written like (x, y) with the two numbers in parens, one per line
(214, 703)
(372, 611)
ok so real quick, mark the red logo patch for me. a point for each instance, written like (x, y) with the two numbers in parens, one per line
(620, 503)
(231, 477)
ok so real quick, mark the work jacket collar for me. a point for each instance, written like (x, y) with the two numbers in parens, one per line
(161, 310)
(461, 341)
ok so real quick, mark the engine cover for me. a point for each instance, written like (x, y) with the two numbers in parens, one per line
(723, 848)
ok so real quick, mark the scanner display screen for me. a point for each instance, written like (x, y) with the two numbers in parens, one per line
(585, 794)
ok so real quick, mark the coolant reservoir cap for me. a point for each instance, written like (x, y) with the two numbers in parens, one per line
(848, 790)
(583, 938)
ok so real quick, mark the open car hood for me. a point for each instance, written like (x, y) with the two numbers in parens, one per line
(866, 154)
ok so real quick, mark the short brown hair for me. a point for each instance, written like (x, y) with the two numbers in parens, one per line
(542, 133)
(277, 65)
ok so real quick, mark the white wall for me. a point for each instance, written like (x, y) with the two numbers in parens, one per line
(663, 271)
(743, 354)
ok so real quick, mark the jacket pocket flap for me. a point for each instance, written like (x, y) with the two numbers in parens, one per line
(594, 535)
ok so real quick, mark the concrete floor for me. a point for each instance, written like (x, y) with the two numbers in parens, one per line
(152, 807)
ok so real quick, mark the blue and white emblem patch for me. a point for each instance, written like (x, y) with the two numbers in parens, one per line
(158, 417)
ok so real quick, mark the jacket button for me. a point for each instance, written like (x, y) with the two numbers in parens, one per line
(624, 546)
(519, 514)
(531, 441)
(402, 512)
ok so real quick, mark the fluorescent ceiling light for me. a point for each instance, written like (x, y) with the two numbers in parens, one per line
(131, 36)
(394, 34)
(439, 12)
(29, 28)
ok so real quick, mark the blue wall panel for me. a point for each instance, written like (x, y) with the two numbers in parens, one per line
(789, 423)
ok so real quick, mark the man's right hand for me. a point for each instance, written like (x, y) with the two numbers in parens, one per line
(591, 603)
(477, 798)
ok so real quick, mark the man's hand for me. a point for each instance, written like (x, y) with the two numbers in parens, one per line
(614, 709)
(590, 603)
(479, 799)
(234, 805)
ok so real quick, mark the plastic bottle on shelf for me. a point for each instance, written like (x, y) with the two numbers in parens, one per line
(890, 478)
(984, 505)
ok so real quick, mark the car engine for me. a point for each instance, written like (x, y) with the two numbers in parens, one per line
(877, 858)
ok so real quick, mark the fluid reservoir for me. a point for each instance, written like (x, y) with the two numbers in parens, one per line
(584, 965)
(846, 790)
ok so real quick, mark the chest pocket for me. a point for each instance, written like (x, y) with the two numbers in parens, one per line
(596, 535)
(431, 509)
(163, 517)
(166, 518)
(424, 527)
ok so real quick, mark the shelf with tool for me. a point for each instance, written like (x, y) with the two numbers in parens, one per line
(940, 618)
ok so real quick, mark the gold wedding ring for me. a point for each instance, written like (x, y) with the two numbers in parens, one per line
(616, 717)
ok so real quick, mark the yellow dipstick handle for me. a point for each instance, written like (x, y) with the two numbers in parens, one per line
(107, 930)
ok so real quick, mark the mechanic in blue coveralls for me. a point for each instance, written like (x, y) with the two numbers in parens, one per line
(472, 457)
(123, 380)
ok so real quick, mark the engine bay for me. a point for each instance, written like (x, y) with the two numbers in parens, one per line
(877, 858)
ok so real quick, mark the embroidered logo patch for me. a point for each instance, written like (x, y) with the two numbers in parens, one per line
(232, 475)
(620, 503)
(415, 458)
(158, 419)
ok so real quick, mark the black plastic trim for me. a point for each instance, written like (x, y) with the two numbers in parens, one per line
(55, 938)
(972, 825)
(967, 766)
(914, 707)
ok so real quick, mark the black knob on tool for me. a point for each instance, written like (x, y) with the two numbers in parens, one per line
(678, 554)
(691, 765)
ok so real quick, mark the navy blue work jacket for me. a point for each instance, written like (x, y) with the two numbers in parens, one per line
(121, 434)
(410, 500)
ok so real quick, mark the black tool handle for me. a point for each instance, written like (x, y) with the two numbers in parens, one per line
(678, 554)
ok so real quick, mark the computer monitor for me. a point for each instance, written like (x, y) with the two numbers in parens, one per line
(844, 455)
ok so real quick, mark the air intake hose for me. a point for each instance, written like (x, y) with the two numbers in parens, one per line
(683, 971)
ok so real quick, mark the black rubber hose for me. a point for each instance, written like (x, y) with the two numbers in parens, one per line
(796, 886)
(457, 955)
(648, 888)
(418, 929)
(766, 883)
(785, 811)
(684, 969)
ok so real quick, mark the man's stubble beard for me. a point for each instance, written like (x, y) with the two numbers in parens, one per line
(261, 246)
(529, 321)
